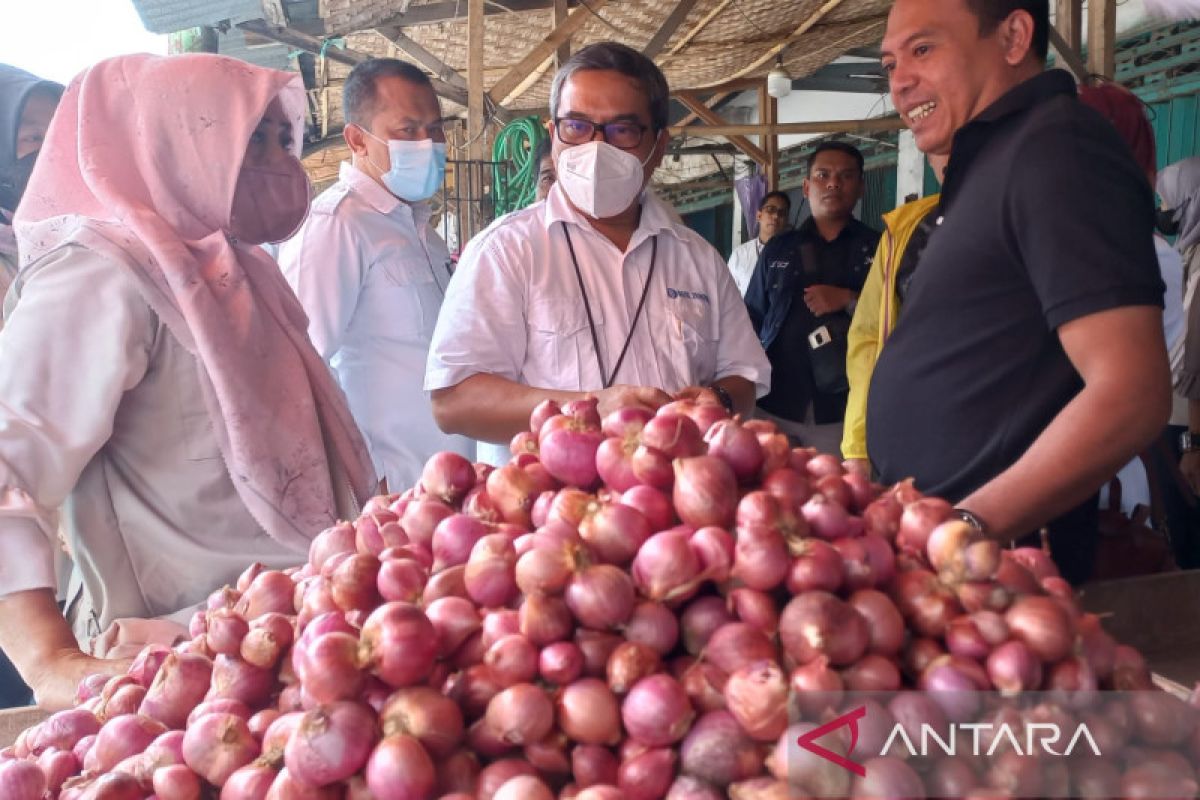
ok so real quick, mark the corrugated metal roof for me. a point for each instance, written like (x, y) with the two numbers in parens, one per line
(168, 16)
(233, 44)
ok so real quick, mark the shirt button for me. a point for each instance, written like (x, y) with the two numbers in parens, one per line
(939, 220)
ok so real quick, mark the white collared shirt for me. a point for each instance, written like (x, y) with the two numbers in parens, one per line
(371, 273)
(515, 309)
(742, 261)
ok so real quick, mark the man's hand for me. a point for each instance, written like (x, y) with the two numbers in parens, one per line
(699, 394)
(623, 395)
(57, 677)
(1189, 465)
(822, 299)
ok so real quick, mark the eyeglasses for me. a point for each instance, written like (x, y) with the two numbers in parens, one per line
(625, 135)
(774, 211)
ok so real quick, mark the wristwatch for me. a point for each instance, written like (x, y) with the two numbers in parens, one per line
(1189, 442)
(722, 395)
(971, 519)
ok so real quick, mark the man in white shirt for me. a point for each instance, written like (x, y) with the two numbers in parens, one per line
(772, 218)
(371, 271)
(598, 290)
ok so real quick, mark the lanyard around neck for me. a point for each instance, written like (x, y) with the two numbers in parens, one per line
(587, 306)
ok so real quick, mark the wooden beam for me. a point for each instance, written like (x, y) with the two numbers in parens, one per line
(671, 24)
(311, 44)
(874, 125)
(1102, 37)
(1069, 56)
(776, 49)
(476, 109)
(710, 102)
(427, 59)
(1068, 19)
(737, 85)
(697, 107)
(501, 90)
(767, 114)
(561, 9)
(699, 26)
(449, 10)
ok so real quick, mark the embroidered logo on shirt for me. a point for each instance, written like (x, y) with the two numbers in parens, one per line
(779, 264)
(686, 295)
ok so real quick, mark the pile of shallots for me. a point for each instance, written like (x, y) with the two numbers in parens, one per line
(645, 606)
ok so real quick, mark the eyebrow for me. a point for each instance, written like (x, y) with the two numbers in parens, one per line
(619, 118)
(923, 32)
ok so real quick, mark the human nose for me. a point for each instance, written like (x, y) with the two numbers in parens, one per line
(901, 80)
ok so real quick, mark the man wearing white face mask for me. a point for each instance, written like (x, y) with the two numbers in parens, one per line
(371, 271)
(599, 289)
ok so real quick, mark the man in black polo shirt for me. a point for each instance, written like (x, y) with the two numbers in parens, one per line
(804, 286)
(1029, 363)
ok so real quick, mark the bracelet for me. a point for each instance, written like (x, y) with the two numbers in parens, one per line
(722, 395)
(971, 519)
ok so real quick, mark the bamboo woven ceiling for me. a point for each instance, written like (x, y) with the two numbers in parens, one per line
(718, 40)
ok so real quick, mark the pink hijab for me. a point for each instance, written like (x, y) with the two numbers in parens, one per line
(139, 166)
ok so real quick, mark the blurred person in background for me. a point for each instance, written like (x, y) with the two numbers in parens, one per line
(27, 104)
(1127, 114)
(802, 295)
(772, 217)
(1179, 190)
(545, 167)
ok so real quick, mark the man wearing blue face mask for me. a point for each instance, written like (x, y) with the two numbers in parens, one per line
(599, 289)
(371, 271)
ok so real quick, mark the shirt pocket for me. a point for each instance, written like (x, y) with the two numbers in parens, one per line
(560, 353)
(694, 341)
(401, 301)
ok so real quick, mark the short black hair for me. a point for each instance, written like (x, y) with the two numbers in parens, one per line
(787, 201)
(359, 91)
(838, 147)
(992, 12)
(541, 150)
(625, 60)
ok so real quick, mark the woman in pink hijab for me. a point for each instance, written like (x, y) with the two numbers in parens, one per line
(156, 380)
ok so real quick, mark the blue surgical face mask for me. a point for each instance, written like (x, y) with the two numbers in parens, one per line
(418, 168)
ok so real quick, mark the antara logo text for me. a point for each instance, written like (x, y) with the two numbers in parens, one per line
(1036, 738)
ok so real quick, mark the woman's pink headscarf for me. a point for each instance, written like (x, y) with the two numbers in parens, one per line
(139, 166)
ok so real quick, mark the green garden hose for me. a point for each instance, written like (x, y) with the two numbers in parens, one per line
(515, 177)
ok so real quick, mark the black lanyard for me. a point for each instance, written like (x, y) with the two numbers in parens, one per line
(587, 306)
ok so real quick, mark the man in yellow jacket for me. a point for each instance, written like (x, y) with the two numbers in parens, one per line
(878, 307)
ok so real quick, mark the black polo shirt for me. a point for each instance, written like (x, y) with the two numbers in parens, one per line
(1045, 218)
(843, 262)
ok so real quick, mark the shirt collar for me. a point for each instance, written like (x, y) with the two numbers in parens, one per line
(971, 138)
(657, 217)
(375, 195)
(1037, 89)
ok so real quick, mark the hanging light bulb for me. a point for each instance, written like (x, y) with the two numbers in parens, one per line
(779, 83)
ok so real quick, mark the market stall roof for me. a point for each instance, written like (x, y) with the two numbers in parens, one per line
(700, 44)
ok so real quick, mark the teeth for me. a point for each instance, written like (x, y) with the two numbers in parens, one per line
(922, 111)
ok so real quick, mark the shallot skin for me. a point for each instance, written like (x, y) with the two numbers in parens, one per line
(656, 604)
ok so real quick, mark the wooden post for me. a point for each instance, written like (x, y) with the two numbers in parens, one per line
(476, 147)
(1102, 37)
(564, 50)
(1068, 19)
(768, 109)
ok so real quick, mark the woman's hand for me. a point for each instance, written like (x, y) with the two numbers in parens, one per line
(55, 681)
